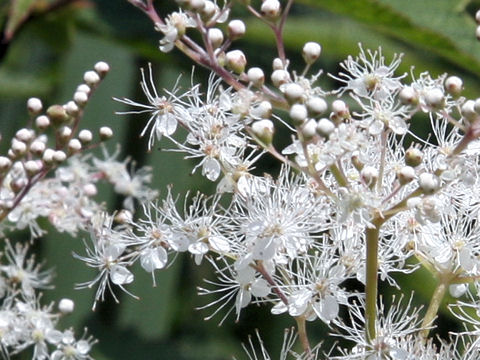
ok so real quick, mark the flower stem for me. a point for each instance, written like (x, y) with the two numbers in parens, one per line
(434, 305)
(371, 287)
(302, 334)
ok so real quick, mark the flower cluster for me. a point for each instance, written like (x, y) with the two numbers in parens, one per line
(353, 201)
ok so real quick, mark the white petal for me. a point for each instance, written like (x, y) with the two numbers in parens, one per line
(260, 288)
(120, 275)
(152, 259)
(211, 169)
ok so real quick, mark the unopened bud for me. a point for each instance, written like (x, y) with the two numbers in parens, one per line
(468, 110)
(215, 36)
(256, 76)
(32, 167)
(369, 175)
(316, 105)
(309, 129)
(408, 96)
(90, 189)
(85, 136)
(298, 113)
(208, 10)
(71, 108)
(280, 77)
(66, 306)
(5, 164)
(262, 110)
(37, 147)
(34, 106)
(476, 106)
(123, 217)
(454, 85)
(18, 147)
(80, 98)
(477, 32)
(278, 64)
(311, 52)
(270, 8)
(340, 109)
(236, 29)
(293, 92)
(25, 135)
(428, 182)
(64, 134)
(263, 130)
(413, 156)
(48, 156)
(236, 61)
(325, 127)
(196, 5)
(435, 98)
(105, 133)
(91, 78)
(74, 146)
(83, 88)
(59, 156)
(57, 114)
(42, 122)
(405, 175)
(102, 68)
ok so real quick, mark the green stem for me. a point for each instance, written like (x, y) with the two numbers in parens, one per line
(302, 335)
(434, 305)
(371, 287)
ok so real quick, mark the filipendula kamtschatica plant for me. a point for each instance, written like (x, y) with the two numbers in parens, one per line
(352, 202)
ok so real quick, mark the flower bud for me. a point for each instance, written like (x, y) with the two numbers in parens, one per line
(356, 162)
(123, 217)
(102, 68)
(340, 109)
(454, 85)
(5, 164)
(468, 110)
(32, 167)
(325, 127)
(64, 134)
(428, 182)
(34, 106)
(18, 147)
(270, 8)
(25, 135)
(262, 110)
(215, 36)
(47, 156)
(263, 130)
(280, 77)
(105, 133)
(90, 189)
(74, 146)
(80, 98)
(309, 129)
(277, 64)
(293, 92)
(413, 157)
(18, 184)
(91, 78)
(476, 106)
(236, 29)
(57, 114)
(435, 98)
(316, 105)
(42, 122)
(405, 175)
(85, 136)
(477, 32)
(196, 5)
(71, 108)
(369, 175)
(208, 10)
(311, 52)
(37, 147)
(256, 76)
(66, 306)
(457, 290)
(236, 61)
(408, 96)
(83, 88)
(59, 156)
(298, 113)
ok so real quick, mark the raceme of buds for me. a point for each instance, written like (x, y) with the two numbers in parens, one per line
(311, 52)
(236, 61)
(263, 130)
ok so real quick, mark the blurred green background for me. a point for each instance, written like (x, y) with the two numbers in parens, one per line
(47, 46)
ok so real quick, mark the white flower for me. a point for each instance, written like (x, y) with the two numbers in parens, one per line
(174, 28)
(369, 75)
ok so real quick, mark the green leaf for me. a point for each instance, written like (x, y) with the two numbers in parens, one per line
(19, 11)
(436, 26)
